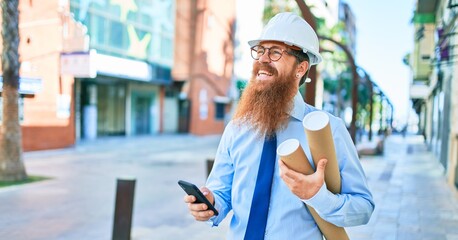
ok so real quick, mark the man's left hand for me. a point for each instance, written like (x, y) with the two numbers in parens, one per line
(303, 186)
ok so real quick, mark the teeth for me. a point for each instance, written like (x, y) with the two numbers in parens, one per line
(265, 73)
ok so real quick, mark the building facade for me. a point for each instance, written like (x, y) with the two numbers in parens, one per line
(100, 68)
(133, 41)
(203, 64)
(434, 89)
(46, 102)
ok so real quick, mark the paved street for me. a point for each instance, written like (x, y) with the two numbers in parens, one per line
(412, 198)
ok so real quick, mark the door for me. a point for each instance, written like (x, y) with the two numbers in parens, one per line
(184, 115)
(142, 115)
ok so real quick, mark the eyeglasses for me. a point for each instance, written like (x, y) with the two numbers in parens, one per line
(274, 54)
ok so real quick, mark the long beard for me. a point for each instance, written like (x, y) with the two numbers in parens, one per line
(265, 105)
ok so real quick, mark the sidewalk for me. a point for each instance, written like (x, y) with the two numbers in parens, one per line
(412, 198)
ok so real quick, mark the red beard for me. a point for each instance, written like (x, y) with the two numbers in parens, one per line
(265, 105)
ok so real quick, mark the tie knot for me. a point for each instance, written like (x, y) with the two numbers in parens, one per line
(270, 137)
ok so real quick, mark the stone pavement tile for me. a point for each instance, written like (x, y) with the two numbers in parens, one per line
(408, 227)
(386, 232)
(169, 232)
(360, 236)
(432, 236)
(409, 218)
(406, 234)
(384, 235)
(359, 232)
(189, 230)
(432, 226)
(451, 226)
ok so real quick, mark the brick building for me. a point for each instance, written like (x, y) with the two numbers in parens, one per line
(101, 68)
(204, 50)
(45, 97)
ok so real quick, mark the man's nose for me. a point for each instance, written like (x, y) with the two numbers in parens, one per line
(265, 57)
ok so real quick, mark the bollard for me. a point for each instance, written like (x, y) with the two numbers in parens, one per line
(123, 208)
(210, 162)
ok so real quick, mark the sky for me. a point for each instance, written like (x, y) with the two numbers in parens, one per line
(384, 37)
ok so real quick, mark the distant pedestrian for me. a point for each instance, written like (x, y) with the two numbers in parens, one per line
(270, 111)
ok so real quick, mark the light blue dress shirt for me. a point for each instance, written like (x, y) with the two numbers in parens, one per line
(234, 174)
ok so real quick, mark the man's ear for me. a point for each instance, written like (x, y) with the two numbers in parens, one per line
(302, 68)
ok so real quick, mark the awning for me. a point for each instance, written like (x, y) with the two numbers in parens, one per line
(222, 99)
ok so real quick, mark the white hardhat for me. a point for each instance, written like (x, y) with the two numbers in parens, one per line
(294, 31)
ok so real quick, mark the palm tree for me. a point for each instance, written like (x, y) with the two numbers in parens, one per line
(11, 164)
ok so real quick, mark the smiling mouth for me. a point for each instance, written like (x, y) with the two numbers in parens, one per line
(261, 72)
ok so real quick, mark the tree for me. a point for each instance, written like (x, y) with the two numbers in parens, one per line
(272, 7)
(11, 164)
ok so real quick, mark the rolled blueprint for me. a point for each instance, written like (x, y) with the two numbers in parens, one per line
(321, 143)
(292, 154)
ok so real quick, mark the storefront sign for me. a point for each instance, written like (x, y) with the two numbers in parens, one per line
(26, 85)
(123, 68)
(79, 64)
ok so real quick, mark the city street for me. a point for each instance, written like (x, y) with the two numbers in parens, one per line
(413, 200)
(89, 87)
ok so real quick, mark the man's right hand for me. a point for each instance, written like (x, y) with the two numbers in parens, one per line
(200, 210)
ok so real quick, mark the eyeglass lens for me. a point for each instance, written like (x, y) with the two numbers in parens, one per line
(274, 53)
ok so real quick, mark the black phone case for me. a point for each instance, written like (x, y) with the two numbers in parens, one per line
(192, 189)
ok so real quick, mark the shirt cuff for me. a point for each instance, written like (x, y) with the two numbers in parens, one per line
(214, 221)
(211, 221)
(323, 201)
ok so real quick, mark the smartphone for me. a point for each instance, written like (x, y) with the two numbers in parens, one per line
(192, 189)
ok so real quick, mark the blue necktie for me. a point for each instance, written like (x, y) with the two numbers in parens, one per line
(260, 204)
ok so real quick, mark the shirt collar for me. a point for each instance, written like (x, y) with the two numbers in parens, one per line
(298, 107)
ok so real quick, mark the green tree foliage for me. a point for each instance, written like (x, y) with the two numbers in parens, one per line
(272, 7)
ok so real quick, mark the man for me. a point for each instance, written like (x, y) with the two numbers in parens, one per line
(270, 111)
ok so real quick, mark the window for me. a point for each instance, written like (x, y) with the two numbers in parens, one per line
(117, 35)
(145, 19)
(109, 35)
(20, 108)
(98, 30)
(166, 48)
(219, 111)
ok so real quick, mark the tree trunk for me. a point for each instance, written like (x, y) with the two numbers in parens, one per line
(310, 88)
(11, 164)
